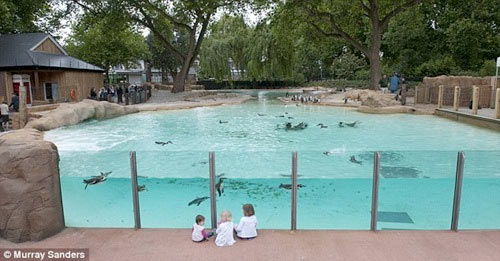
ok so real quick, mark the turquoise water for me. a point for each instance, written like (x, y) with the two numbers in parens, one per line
(417, 167)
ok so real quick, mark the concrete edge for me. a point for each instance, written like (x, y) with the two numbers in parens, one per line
(477, 120)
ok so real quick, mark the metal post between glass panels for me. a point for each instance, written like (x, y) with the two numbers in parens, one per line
(294, 191)
(458, 191)
(213, 207)
(376, 170)
(135, 192)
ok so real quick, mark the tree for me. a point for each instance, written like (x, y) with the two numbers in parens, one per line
(163, 59)
(191, 17)
(360, 23)
(224, 48)
(27, 16)
(444, 37)
(263, 52)
(347, 64)
(106, 41)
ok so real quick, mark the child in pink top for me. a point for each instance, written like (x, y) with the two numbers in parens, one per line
(199, 234)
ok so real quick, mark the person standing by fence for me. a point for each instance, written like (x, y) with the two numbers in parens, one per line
(119, 92)
(394, 83)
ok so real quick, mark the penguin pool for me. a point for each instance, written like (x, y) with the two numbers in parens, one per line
(418, 165)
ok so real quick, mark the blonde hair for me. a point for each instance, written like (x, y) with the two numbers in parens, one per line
(226, 216)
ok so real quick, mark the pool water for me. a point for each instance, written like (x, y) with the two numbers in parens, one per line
(417, 167)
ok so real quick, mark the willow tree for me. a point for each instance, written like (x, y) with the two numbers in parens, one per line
(360, 23)
(224, 49)
(189, 17)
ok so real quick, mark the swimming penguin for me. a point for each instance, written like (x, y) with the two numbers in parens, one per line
(353, 160)
(220, 186)
(163, 143)
(96, 179)
(289, 186)
(141, 188)
(261, 114)
(352, 124)
(341, 124)
(197, 201)
(327, 153)
(221, 122)
(321, 125)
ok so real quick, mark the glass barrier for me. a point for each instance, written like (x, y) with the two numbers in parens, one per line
(174, 192)
(416, 189)
(96, 189)
(480, 203)
(256, 178)
(334, 193)
(335, 188)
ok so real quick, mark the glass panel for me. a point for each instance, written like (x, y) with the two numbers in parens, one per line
(176, 190)
(416, 189)
(480, 203)
(335, 192)
(241, 186)
(106, 203)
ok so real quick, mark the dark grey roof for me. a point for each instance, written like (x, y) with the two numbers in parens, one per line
(16, 52)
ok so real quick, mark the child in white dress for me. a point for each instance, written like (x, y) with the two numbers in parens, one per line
(225, 230)
(247, 228)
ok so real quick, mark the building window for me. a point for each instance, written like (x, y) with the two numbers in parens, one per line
(51, 91)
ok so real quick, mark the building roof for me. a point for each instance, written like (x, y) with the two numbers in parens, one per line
(18, 51)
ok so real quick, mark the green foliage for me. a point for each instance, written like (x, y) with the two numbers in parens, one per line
(439, 66)
(460, 34)
(106, 41)
(263, 52)
(347, 65)
(26, 16)
(488, 68)
(341, 83)
(225, 49)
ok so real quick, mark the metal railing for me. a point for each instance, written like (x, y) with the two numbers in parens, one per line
(376, 170)
(294, 186)
(458, 191)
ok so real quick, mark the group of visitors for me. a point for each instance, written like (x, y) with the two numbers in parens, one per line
(4, 111)
(109, 93)
(245, 230)
(112, 94)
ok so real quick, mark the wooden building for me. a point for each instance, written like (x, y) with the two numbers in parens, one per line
(37, 61)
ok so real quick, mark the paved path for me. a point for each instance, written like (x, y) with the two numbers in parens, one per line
(175, 244)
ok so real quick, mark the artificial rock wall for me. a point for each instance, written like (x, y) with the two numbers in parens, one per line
(30, 197)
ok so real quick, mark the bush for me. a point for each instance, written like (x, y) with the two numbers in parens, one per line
(488, 68)
(355, 84)
(440, 66)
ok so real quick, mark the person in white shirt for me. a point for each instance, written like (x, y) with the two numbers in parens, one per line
(4, 116)
(247, 228)
(225, 230)
(199, 234)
